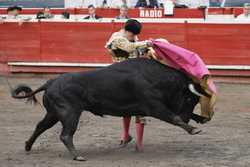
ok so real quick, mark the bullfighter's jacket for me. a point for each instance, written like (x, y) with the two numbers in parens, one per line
(121, 48)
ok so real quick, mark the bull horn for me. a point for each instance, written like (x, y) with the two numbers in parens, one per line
(193, 90)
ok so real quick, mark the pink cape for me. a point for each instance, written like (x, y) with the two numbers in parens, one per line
(182, 59)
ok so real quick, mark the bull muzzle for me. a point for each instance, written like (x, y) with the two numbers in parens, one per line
(207, 106)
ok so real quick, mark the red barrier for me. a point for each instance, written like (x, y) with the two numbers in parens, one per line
(20, 42)
(84, 42)
(222, 44)
(238, 11)
(233, 11)
(218, 44)
(75, 42)
(220, 10)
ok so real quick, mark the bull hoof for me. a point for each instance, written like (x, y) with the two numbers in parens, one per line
(27, 146)
(195, 131)
(80, 158)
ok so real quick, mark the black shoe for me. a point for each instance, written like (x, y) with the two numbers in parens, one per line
(125, 143)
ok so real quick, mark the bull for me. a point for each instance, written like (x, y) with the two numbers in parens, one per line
(134, 87)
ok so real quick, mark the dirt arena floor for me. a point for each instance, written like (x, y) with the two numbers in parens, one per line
(224, 142)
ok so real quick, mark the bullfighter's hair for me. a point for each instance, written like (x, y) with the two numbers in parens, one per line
(133, 26)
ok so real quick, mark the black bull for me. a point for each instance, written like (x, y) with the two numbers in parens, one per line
(134, 87)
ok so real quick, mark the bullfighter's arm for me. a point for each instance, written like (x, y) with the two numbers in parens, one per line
(126, 45)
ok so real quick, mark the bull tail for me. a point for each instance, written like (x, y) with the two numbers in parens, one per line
(25, 92)
(197, 90)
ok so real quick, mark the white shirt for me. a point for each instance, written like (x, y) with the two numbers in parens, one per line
(161, 1)
(73, 4)
(131, 3)
(96, 3)
(82, 3)
(119, 3)
(243, 17)
(12, 17)
(168, 7)
(115, 3)
(193, 3)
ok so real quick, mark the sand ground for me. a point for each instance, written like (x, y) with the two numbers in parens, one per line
(224, 142)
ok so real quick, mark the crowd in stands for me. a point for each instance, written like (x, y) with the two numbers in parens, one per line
(13, 14)
(123, 5)
(136, 3)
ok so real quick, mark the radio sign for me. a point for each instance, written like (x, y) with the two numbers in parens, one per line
(151, 13)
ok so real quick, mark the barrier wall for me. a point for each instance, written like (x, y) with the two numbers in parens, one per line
(232, 11)
(82, 42)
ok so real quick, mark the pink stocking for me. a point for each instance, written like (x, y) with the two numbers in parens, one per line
(139, 134)
(126, 125)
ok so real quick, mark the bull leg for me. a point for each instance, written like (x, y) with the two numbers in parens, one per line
(163, 113)
(190, 129)
(177, 121)
(69, 128)
(48, 121)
